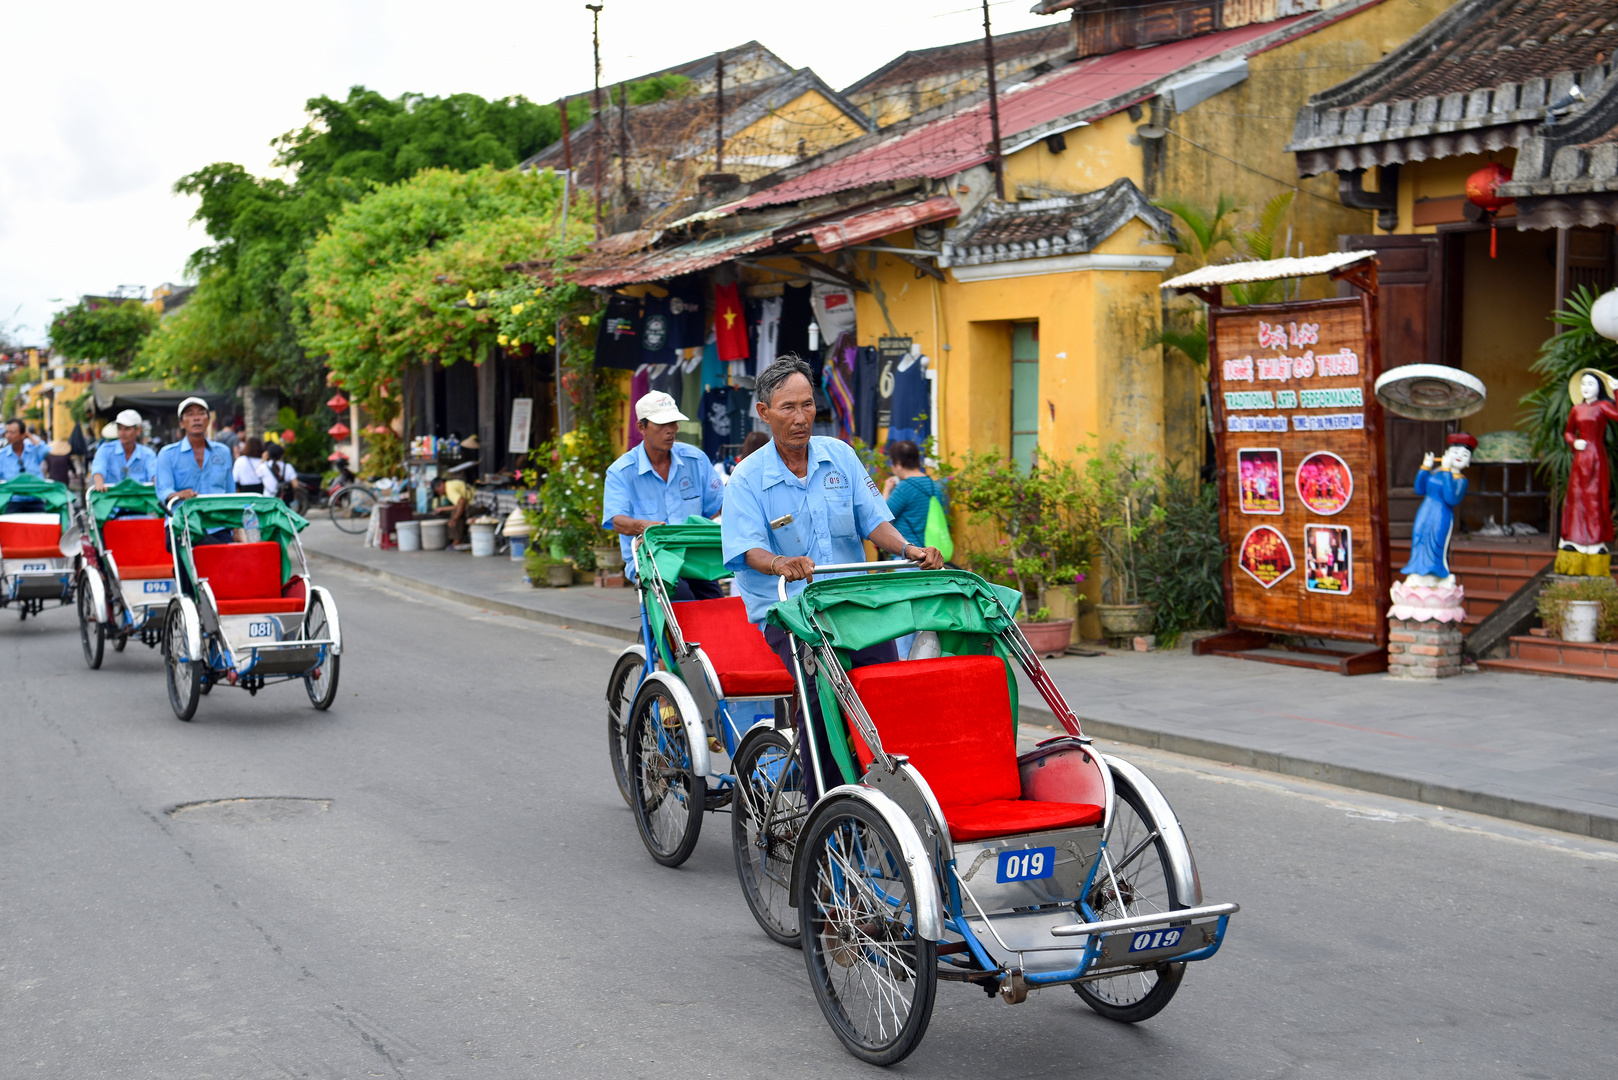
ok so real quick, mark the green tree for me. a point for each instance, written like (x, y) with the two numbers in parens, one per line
(1560, 358)
(107, 332)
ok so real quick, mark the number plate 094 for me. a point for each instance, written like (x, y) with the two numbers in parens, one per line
(1027, 864)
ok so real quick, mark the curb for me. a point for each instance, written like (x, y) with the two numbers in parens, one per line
(503, 607)
(1596, 826)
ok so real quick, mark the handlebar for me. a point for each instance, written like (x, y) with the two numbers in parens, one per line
(843, 568)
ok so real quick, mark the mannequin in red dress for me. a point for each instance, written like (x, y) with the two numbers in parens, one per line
(1587, 532)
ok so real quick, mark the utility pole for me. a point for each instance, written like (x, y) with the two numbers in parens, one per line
(623, 143)
(998, 165)
(595, 36)
(719, 113)
(567, 144)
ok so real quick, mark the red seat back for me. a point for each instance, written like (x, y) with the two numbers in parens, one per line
(952, 716)
(240, 571)
(734, 645)
(135, 541)
(30, 539)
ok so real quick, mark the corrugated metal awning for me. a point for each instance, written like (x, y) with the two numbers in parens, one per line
(1267, 270)
(872, 224)
(660, 265)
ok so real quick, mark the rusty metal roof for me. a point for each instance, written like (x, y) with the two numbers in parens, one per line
(858, 228)
(608, 269)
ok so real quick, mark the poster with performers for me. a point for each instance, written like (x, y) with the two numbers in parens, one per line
(1299, 442)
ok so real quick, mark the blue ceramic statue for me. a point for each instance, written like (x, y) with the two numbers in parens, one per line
(1442, 490)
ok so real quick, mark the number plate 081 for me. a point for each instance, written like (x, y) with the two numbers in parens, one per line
(1027, 864)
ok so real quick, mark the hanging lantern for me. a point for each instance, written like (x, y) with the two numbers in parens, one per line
(337, 403)
(339, 431)
(1604, 315)
(288, 437)
(1483, 191)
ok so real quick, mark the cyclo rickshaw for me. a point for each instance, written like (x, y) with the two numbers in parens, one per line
(126, 577)
(946, 855)
(682, 727)
(37, 548)
(245, 613)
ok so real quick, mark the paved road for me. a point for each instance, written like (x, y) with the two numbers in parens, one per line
(471, 899)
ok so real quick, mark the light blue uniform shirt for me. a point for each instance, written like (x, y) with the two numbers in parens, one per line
(177, 470)
(834, 508)
(634, 489)
(113, 466)
(32, 461)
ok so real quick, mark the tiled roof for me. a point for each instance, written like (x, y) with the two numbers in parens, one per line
(920, 63)
(1567, 174)
(1065, 225)
(1479, 77)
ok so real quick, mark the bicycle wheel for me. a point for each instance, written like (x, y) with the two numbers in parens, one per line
(92, 631)
(874, 978)
(667, 795)
(765, 816)
(322, 682)
(184, 672)
(351, 508)
(1140, 884)
(622, 686)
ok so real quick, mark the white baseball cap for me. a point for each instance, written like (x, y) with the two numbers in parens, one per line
(190, 401)
(128, 418)
(658, 408)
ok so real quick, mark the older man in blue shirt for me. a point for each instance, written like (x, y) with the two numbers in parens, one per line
(124, 458)
(195, 465)
(798, 501)
(19, 456)
(661, 480)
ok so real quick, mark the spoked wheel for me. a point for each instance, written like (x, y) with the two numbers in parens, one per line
(351, 509)
(92, 631)
(765, 816)
(118, 643)
(321, 682)
(667, 795)
(1140, 884)
(621, 689)
(874, 977)
(184, 670)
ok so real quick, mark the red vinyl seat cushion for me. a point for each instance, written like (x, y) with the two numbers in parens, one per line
(30, 540)
(952, 717)
(746, 665)
(137, 545)
(245, 578)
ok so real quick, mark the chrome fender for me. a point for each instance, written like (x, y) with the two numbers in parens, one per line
(696, 736)
(92, 580)
(928, 905)
(193, 627)
(323, 594)
(1182, 864)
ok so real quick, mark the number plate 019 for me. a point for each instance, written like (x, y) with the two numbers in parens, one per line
(1147, 940)
(1028, 864)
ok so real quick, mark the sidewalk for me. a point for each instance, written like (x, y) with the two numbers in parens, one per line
(1542, 751)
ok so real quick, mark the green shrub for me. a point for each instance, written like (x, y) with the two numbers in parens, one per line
(1181, 564)
(1601, 589)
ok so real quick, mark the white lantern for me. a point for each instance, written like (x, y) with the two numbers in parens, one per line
(1604, 314)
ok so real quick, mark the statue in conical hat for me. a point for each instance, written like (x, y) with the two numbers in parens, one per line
(1585, 546)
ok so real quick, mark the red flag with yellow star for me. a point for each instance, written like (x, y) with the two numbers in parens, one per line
(729, 327)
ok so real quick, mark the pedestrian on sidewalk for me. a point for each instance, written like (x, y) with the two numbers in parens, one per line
(659, 481)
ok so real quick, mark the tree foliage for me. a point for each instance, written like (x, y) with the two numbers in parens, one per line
(105, 331)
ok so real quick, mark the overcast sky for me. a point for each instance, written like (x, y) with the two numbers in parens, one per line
(108, 104)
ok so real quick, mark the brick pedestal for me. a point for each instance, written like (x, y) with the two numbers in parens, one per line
(1423, 648)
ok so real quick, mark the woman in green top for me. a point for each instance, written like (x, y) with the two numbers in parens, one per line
(910, 492)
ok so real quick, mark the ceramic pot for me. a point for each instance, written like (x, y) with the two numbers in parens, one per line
(1579, 620)
(559, 575)
(1125, 620)
(609, 557)
(1048, 638)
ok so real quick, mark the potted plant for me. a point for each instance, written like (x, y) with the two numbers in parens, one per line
(1116, 497)
(1035, 539)
(1556, 609)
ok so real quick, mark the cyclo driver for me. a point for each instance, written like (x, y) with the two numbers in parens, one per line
(799, 500)
(195, 465)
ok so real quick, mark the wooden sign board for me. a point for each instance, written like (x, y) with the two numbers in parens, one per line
(1302, 485)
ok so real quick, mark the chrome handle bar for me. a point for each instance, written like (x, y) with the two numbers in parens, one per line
(844, 568)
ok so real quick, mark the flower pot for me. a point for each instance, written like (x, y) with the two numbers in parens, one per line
(1579, 619)
(559, 575)
(609, 557)
(1125, 620)
(1048, 638)
(558, 551)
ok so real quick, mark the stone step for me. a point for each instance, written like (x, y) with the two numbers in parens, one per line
(1534, 667)
(1544, 655)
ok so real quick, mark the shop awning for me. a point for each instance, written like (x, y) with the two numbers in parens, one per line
(608, 268)
(872, 224)
(150, 396)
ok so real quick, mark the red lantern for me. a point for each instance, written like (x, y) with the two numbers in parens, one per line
(337, 403)
(1483, 191)
(288, 437)
(339, 431)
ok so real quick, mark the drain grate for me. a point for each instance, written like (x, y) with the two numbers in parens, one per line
(249, 809)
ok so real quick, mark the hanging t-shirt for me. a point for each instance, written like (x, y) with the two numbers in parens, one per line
(691, 396)
(656, 325)
(618, 341)
(688, 329)
(834, 310)
(666, 379)
(714, 371)
(724, 420)
(797, 312)
(769, 331)
(729, 323)
(839, 383)
(867, 374)
(911, 405)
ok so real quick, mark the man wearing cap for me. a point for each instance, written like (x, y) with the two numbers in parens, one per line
(195, 465)
(126, 457)
(659, 481)
(19, 456)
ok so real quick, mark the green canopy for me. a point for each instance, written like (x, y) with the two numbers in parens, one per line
(127, 494)
(689, 549)
(55, 496)
(862, 610)
(210, 513)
